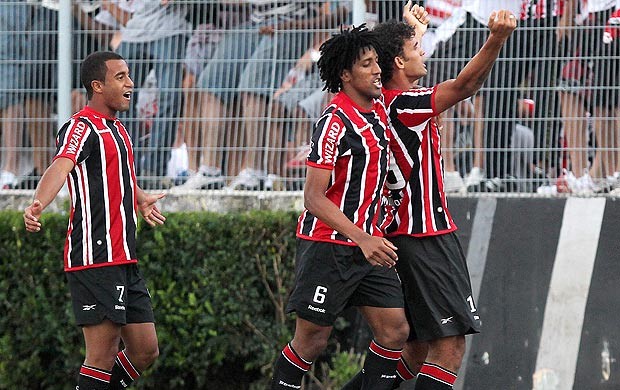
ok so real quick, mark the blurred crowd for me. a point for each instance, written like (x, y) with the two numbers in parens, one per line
(226, 92)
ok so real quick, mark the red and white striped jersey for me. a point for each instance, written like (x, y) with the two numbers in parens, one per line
(524, 9)
(102, 185)
(440, 10)
(418, 205)
(354, 144)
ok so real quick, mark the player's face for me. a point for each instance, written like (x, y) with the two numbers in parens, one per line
(118, 86)
(363, 81)
(413, 59)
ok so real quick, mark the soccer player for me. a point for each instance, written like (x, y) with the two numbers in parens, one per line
(342, 258)
(110, 299)
(432, 266)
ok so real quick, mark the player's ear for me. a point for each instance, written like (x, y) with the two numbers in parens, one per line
(345, 76)
(399, 62)
(97, 86)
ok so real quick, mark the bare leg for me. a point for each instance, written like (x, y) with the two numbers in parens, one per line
(213, 114)
(605, 143)
(478, 133)
(140, 344)
(102, 341)
(191, 127)
(575, 131)
(254, 110)
(12, 135)
(41, 133)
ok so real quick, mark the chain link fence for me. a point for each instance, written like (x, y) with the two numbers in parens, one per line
(226, 92)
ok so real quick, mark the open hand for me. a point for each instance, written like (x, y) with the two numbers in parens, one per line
(32, 214)
(149, 210)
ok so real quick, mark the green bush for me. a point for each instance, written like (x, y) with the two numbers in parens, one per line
(219, 285)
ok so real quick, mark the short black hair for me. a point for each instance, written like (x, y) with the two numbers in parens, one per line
(340, 52)
(94, 68)
(391, 36)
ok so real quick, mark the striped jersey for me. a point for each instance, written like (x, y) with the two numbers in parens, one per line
(272, 11)
(354, 144)
(102, 185)
(417, 205)
(440, 10)
(523, 9)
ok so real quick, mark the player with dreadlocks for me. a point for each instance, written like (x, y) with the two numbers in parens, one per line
(342, 258)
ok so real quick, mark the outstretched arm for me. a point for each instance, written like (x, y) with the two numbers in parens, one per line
(474, 74)
(47, 189)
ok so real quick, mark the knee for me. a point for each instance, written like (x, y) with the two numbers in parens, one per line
(447, 352)
(144, 357)
(101, 357)
(393, 335)
(310, 345)
(151, 355)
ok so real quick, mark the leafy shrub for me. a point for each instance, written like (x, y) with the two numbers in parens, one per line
(219, 285)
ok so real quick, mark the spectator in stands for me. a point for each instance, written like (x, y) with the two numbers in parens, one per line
(153, 37)
(585, 82)
(606, 95)
(573, 90)
(33, 43)
(544, 44)
(254, 59)
(210, 22)
(13, 23)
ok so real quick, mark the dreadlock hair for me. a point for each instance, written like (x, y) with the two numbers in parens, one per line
(391, 36)
(94, 68)
(340, 52)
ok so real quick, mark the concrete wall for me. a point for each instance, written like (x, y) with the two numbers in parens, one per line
(545, 273)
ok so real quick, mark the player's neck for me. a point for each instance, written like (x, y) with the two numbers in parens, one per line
(101, 108)
(400, 81)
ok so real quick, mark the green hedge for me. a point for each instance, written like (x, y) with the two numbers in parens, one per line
(218, 283)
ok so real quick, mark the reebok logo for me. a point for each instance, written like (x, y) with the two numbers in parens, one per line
(289, 385)
(446, 320)
(88, 307)
(317, 309)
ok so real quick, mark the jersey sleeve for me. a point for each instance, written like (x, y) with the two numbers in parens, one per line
(74, 141)
(326, 142)
(414, 107)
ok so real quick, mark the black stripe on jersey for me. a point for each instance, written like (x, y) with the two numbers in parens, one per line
(76, 237)
(96, 196)
(127, 202)
(352, 192)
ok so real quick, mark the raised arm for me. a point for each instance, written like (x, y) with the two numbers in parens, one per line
(474, 74)
(417, 17)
